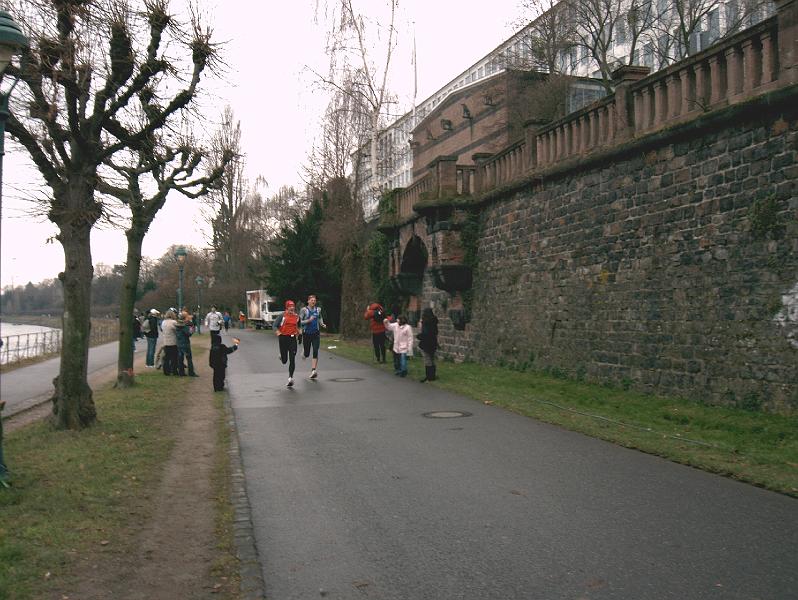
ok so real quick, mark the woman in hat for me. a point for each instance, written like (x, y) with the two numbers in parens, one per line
(286, 326)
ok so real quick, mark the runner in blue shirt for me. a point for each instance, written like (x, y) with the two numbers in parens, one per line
(311, 321)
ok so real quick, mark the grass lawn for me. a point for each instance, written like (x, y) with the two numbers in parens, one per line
(758, 448)
(77, 492)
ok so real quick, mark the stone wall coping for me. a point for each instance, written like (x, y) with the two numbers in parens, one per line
(785, 99)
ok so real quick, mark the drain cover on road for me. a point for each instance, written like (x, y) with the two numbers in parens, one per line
(347, 379)
(446, 414)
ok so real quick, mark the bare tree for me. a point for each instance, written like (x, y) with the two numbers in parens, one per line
(683, 27)
(545, 42)
(93, 68)
(359, 83)
(166, 168)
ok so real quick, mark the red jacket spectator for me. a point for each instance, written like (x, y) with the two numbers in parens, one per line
(376, 325)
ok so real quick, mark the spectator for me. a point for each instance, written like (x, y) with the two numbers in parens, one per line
(402, 342)
(183, 332)
(217, 360)
(213, 321)
(428, 342)
(169, 330)
(375, 314)
(150, 329)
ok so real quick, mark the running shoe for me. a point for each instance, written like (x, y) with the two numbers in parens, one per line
(290, 382)
(313, 374)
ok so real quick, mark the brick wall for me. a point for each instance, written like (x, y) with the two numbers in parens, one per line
(672, 270)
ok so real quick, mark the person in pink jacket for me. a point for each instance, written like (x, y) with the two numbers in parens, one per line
(402, 342)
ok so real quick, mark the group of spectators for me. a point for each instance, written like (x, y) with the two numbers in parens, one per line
(394, 330)
(174, 328)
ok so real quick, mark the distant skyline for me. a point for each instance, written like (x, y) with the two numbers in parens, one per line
(274, 95)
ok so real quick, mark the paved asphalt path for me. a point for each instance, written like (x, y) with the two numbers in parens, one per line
(27, 386)
(355, 494)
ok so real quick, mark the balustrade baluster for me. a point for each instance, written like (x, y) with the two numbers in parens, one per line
(685, 91)
(768, 52)
(716, 79)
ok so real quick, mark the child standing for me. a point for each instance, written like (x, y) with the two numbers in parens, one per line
(402, 342)
(217, 359)
(286, 326)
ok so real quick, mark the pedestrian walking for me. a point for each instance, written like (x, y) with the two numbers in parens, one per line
(375, 315)
(169, 330)
(213, 321)
(428, 342)
(217, 360)
(286, 327)
(150, 328)
(402, 342)
(227, 319)
(184, 356)
(312, 322)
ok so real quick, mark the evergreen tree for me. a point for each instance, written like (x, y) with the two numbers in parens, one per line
(302, 267)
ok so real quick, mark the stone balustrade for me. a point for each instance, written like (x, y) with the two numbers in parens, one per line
(412, 194)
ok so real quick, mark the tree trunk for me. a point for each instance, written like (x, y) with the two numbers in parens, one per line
(127, 301)
(73, 403)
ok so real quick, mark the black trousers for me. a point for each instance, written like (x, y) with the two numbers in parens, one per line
(218, 378)
(378, 340)
(288, 352)
(216, 335)
(311, 340)
(170, 360)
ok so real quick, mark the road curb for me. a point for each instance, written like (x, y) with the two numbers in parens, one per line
(252, 584)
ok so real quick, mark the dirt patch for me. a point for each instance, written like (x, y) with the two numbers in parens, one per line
(173, 552)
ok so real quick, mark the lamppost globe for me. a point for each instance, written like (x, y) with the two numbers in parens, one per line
(12, 40)
(180, 257)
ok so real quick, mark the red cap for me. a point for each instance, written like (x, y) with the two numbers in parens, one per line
(289, 303)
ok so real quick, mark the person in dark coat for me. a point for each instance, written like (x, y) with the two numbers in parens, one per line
(183, 332)
(217, 360)
(428, 342)
(150, 329)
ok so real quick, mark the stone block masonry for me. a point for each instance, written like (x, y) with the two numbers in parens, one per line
(673, 270)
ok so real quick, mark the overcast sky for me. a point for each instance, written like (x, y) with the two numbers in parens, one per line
(268, 47)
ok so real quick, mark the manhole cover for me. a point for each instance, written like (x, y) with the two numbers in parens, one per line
(347, 379)
(446, 414)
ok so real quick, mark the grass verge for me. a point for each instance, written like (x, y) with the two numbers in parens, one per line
(758, 448)
(76, 492)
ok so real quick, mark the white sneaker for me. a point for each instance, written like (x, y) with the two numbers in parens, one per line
(313, 374)
(290, 382)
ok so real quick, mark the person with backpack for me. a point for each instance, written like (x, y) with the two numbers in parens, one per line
(375, 314)
(150, 329)
(311, 322)
(286, 327)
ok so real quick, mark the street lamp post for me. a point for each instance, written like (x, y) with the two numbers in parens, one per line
(199, 281)
(180, 257)
(12, 41)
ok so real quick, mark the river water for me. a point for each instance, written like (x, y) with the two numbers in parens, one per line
(26, 341)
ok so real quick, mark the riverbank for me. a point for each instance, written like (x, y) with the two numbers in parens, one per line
(29, 339)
